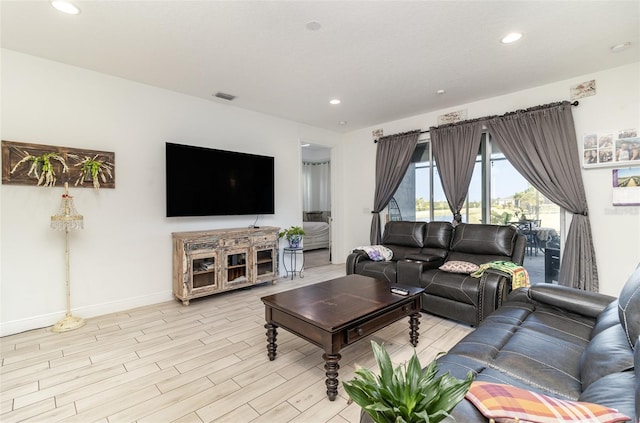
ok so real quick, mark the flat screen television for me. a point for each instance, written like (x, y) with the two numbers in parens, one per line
(209, 182)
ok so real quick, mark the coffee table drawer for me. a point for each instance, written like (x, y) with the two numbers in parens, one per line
(372, 325)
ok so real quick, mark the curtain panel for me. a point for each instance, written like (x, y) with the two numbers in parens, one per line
(541, 144)
(455, 149)
(392, 160)
(316, 180)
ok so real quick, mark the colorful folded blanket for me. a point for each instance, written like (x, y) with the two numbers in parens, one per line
(519, 275)
(376, 252)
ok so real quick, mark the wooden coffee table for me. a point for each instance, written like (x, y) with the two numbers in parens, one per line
(337, 313)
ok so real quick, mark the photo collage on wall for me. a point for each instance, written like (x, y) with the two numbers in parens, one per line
(611, 148)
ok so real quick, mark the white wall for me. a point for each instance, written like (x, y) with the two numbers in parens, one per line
(616, 230)
(122, 258)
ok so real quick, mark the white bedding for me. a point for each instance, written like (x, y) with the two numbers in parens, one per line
(316, 235)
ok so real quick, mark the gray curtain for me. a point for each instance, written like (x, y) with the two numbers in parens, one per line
(541, 144)
(455, 149)
(392, 160)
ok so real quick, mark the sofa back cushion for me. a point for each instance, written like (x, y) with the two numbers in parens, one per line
(438, 235)
(608, 350)
(405, 234)
(489, 240)
(629, 307)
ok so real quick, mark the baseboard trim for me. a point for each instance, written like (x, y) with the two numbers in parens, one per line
(45, 320)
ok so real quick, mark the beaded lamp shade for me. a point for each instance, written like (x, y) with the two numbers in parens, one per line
(67, 216)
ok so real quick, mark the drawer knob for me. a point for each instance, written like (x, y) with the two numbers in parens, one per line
(359, 331)
(406, 308)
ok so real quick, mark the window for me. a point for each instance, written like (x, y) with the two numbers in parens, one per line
(498, 194)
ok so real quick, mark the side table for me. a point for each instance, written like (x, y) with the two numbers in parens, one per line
(293, 261)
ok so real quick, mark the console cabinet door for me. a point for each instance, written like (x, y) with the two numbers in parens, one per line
(204, 274)
(265, 261)
(235, 270)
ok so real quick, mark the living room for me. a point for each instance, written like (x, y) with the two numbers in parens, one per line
(122, 259)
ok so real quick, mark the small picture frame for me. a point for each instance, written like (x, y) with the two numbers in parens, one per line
(626, 186)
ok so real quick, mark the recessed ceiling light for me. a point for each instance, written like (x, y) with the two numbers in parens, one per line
(511, 38)
(440, 92)
(313, 26)
(65, 6)
(343, 122)
(305, 145)
(620, 47)
(335, 101)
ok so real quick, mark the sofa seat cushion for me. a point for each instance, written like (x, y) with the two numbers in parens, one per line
(453, 286)
(543, 362)
(528, 345)
(383, 270)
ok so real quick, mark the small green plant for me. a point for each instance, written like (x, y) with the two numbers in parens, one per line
(42, 167)
(93, 169)
(406, 394)
(291, 232)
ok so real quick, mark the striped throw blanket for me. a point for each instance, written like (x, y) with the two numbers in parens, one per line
(519, 275)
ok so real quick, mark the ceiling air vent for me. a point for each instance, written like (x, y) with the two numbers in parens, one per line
(224, 96)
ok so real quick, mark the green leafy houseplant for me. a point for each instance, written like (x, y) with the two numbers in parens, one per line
(405, 394)
(293, 234)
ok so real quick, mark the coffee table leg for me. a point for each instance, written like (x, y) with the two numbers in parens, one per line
(331, 366)
(272, 334)
(414, 324)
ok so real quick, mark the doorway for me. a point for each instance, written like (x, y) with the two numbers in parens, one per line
(316, 204)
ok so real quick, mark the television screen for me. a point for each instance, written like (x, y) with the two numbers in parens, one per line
(209, 182)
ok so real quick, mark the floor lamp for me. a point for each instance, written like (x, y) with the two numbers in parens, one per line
(67, 218)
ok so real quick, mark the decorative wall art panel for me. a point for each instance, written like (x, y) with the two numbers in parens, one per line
(48, 165)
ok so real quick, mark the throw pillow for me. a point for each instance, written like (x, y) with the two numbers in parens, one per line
(505, 403)
(455, 266)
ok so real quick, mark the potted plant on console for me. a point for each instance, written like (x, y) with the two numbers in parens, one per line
(293, 234)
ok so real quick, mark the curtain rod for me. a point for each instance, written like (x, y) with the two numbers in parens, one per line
(574, 103)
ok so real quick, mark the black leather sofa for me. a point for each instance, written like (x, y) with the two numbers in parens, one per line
(420, 248)
(557, 341)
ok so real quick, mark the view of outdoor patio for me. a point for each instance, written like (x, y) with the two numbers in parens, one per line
(511, 201)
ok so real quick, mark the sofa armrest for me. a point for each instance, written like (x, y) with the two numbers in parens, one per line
(494, 287)
(353, 259)
(410, 270)
(586, 303)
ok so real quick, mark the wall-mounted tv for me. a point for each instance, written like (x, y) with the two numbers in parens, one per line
(209, 182)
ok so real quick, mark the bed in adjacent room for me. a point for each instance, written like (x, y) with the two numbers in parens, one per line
(317, 229)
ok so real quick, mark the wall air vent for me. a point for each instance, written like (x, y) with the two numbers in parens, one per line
(224, 96)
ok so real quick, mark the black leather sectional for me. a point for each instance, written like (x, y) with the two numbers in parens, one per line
(558, 341)
(419, 248)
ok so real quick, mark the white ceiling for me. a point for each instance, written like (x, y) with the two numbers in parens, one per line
(383, 59)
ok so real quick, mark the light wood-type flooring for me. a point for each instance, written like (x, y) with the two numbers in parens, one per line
(201, 363)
